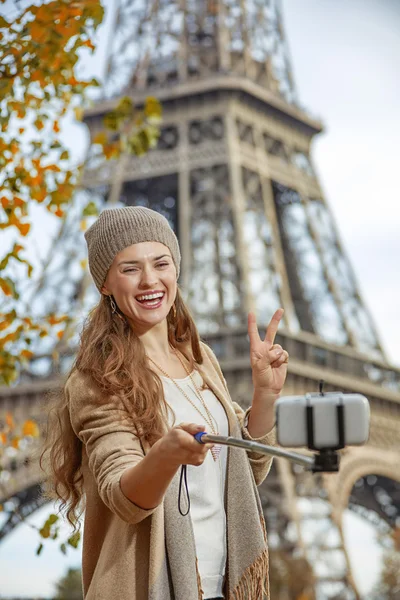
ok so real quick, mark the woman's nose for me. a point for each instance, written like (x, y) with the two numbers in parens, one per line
(149, 278)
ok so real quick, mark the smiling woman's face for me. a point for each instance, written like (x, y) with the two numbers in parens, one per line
(137, 272)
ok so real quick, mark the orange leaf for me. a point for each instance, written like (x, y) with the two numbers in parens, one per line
(30, 428)
(60, 334)
(10, 420)
(24, 228)
(89, 44)
(4, 202)
(15, 442)
(3, 438)
(59, 213)
(56, 127)
(18, 202)
(6, 287)
(26, 354)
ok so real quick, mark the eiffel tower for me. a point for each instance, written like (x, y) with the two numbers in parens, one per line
(234, 175)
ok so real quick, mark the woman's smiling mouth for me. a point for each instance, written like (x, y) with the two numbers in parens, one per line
(151, 299)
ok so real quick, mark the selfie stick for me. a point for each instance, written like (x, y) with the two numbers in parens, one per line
(326, 460)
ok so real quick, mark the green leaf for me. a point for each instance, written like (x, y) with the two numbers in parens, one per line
(52, 519)
(90, 210)
(153, 109)
(64, 155)
(74, 539)
(39, 549)
(112, 120)
(45, 531)
(124, 106)
(63, 548)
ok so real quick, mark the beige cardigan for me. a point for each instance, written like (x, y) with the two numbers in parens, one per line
(134, 554)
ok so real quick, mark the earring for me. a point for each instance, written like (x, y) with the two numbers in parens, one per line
(113, 305)
(114, 309)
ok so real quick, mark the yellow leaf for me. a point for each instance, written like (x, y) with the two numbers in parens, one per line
(100, 138)
(83, 263)
(30, 428)
(38, 124)
(78, 113)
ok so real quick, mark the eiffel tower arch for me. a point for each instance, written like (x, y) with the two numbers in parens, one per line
(233, 173)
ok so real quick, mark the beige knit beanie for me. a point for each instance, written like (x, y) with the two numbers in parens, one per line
(118, 228)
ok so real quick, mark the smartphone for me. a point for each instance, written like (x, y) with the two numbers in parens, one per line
(317, 421)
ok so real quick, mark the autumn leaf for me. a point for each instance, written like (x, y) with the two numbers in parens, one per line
(10, 420)
(90, 210)
(4, 202)
(89, 44)
(74, 539)
(78, 113)
(15, 442)
(8, 288)
(24, 228)
(38, 123)
(30, 428)
(100, 138)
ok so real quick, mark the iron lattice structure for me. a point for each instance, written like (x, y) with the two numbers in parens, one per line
(233, 173)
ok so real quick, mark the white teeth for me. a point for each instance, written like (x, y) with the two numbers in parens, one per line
(150, 296)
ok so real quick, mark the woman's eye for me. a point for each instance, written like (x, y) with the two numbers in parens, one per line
(129, 270)
(164, 264)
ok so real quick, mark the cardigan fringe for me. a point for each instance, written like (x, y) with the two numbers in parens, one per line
(200, 590)
(254, 583)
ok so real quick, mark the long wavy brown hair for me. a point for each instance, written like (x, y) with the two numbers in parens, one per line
(113, 356)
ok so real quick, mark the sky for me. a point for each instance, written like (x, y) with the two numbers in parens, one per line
(345, 56)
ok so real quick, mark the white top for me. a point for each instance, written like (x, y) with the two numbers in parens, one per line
(206, 483)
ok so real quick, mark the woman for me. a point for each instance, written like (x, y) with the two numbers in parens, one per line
(142, 385)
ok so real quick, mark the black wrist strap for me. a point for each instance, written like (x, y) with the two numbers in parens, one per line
(183, 478)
